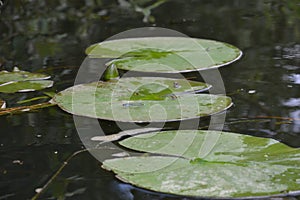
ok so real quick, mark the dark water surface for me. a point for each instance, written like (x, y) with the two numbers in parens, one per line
(51, 36)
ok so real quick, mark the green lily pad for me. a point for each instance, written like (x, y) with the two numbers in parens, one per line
(165, 54)
(23, 81)
(25, 86)
(141, 99)
(18, 75)
(235, 166)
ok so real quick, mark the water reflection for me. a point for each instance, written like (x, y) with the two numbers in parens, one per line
(45, 34)
(296, 115)
(292, 52)
(291, 67)
(292, 78)
(292, 102)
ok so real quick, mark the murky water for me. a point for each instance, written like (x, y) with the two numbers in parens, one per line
(51, 36)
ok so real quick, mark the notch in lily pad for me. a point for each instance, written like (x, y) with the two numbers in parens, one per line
(235, 166)
(165, 54)
(23, 81)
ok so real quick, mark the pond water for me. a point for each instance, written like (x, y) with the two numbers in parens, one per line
(51, 36)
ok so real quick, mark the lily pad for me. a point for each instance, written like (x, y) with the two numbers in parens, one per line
(23, 81)
(19, 75)
(165, 54)
(235, 166)
(141, 99)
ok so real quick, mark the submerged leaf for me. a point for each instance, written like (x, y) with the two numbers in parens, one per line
(141, 99)
(23, 81)
(237, 165)
(165, 54)
(32, 99)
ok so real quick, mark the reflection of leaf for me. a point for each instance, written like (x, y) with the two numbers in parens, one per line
(165, 54)
(141, 99)
(146, 11)
(23, 81)
(140, 6)
(46, 48)
(237, 165)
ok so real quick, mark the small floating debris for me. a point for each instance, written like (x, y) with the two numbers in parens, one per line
(17, 162)
(38, 190)
(121, 154)
(251, 91)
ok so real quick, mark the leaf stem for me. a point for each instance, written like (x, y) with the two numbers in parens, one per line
(57, 173)
(21, 109)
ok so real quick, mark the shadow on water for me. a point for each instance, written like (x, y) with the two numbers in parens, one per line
(51, 36)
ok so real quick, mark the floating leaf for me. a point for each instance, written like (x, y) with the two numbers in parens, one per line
(236, 165)
(23, 81)
(2, 104)
(25, 86)
(165, 54)
(18, 75)
(141, 99)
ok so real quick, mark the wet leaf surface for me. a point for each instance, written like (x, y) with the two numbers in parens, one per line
(235, 166)
(25, 86)
(19, 75)
(23, 81)
(165, 54)
(141, 99)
